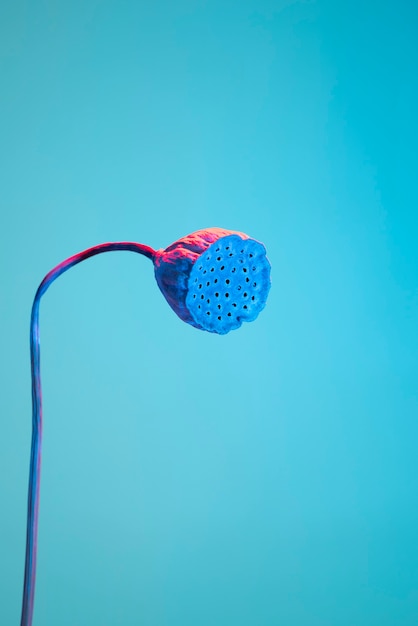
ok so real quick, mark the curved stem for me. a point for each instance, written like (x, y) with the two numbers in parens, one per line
(35, 457)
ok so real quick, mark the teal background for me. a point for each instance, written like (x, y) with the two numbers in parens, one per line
(268, 477)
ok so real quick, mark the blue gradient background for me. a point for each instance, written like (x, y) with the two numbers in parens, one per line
(269, 477)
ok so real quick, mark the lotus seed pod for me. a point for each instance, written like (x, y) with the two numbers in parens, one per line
(214, 279)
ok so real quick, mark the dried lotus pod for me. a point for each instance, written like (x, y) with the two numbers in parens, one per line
(214, 279)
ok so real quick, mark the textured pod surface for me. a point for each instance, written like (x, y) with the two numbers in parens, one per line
(228, 284)
(214, 279)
